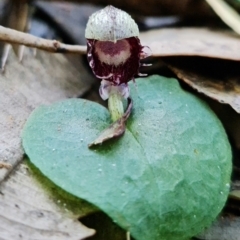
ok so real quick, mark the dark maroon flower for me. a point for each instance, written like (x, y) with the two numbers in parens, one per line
(114, 49)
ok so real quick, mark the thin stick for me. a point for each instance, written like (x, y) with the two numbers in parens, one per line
(226, 13)
(12, 36)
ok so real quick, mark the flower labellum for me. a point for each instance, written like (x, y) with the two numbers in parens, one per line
(114, 50)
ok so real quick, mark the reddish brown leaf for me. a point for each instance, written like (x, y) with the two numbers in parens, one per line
(116, 129)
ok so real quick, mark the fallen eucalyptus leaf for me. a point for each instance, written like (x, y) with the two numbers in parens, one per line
(192, 42)
(27, 212)
(25, 87)
(167, 178)
(222, 85)
(25, 209)
(169, 7)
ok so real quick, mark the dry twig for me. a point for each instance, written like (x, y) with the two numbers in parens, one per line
(12, 36)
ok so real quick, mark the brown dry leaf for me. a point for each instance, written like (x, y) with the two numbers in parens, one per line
(14, 15)
(41, 80)
(192, 42)
(216, 79)
(17, 18)
(27, 212)
(70, 17)
(155, 7)
(116, 129)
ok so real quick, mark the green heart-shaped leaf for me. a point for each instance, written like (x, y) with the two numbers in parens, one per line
(167, 178)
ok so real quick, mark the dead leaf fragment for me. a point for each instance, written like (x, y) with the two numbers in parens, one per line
(15, 16)
(192, 42)
(27, 212)
(116, 129)
(218, 80)
(156, 7)
(41, 80)
(217, 91)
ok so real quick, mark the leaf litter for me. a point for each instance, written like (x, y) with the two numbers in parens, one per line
(217, 79)
(192, 42)
(231, 52)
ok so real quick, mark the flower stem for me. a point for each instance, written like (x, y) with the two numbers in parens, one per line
(115, 106)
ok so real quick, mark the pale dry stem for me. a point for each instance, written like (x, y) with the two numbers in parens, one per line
(15, 37)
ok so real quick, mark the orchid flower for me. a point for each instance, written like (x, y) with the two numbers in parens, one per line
(114, 50)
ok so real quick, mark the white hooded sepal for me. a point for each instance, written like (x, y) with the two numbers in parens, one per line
(111, 24)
